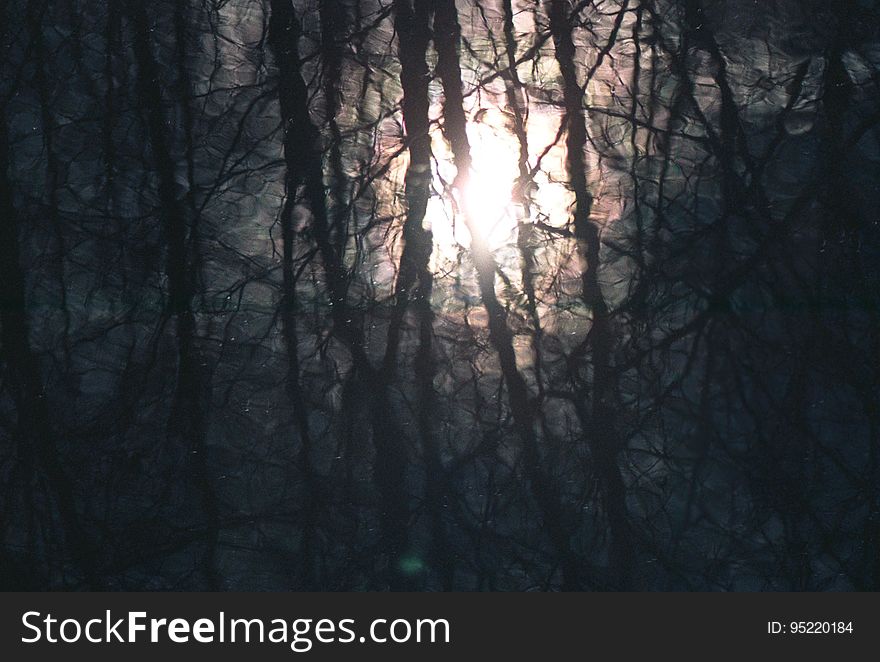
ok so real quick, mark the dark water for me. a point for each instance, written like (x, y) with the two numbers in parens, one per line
(330, 295)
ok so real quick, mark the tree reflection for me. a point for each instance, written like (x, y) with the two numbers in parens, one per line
(435, 294)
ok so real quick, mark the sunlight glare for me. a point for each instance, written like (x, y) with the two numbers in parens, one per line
(487, 193)
(486, 197)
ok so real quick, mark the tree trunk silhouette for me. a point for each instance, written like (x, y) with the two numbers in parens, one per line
(414, 280)
(599, 428)
(187, 421)
(304, 168)
(546, 493)
(35, 444)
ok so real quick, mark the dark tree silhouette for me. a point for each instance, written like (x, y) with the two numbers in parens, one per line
(440, 295)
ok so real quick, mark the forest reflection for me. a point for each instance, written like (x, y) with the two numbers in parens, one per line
(440, 294)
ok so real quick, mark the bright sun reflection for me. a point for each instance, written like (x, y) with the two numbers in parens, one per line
(487, 194)
(487, 197)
